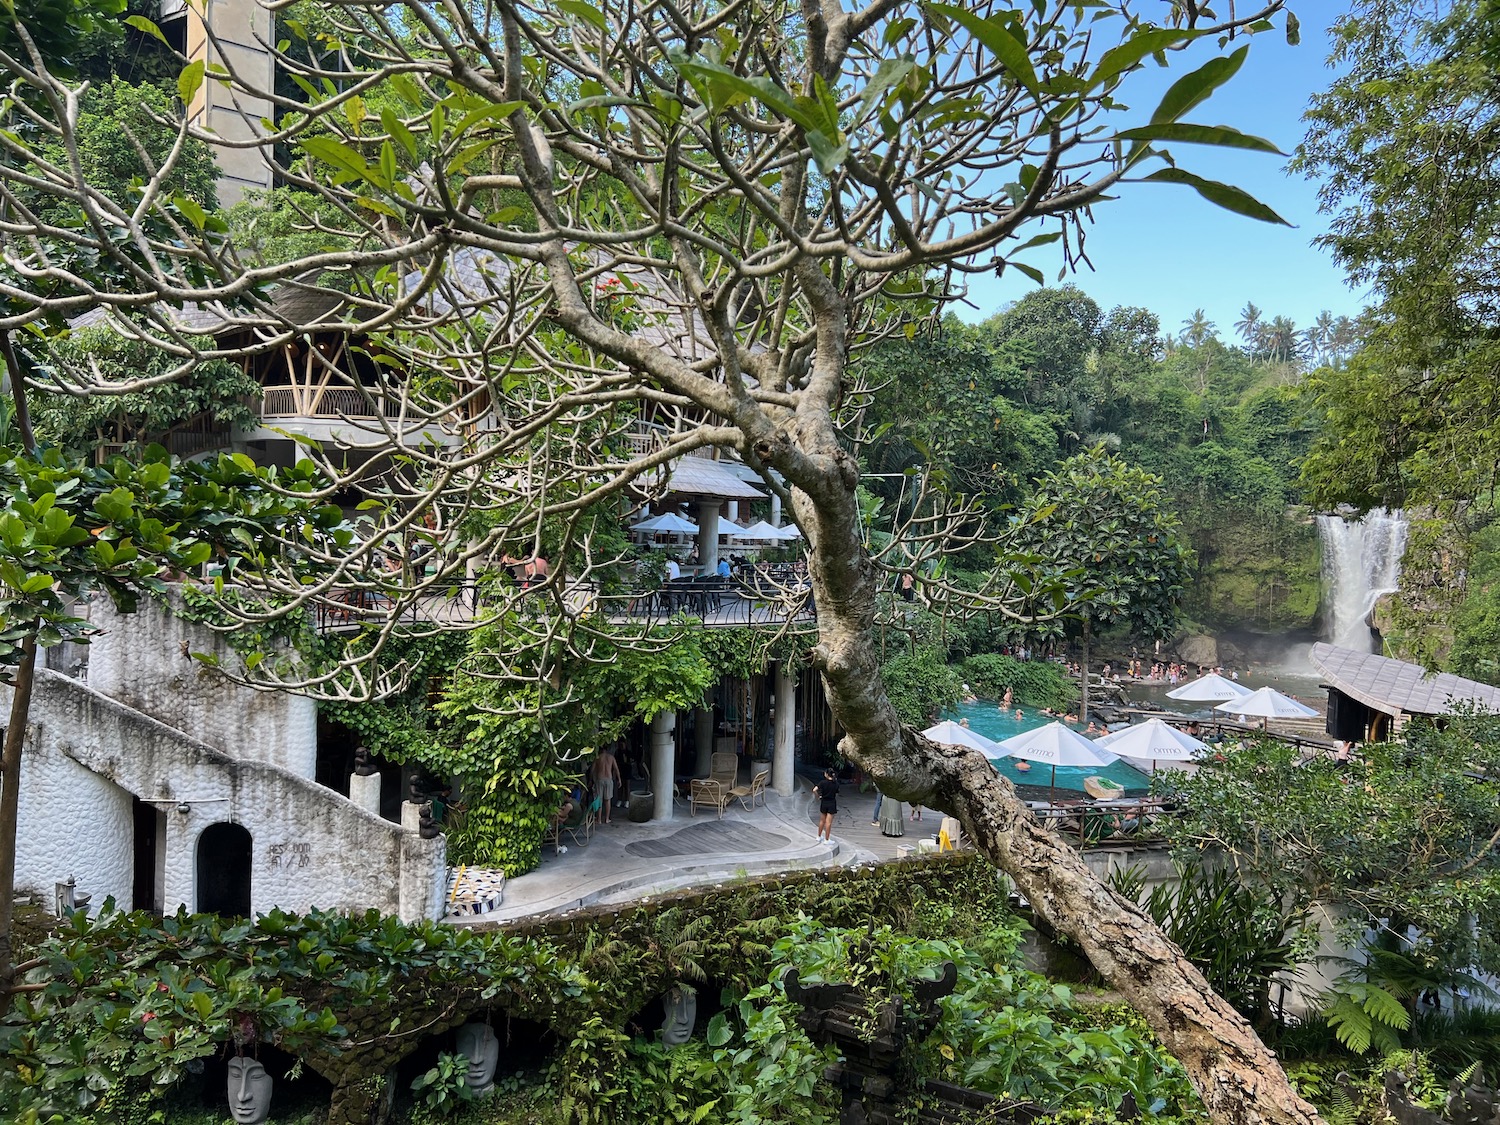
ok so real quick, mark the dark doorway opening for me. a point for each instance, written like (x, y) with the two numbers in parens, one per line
(149, 853)
(224, 870)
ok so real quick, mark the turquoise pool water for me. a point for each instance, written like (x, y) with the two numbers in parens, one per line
(988, 720)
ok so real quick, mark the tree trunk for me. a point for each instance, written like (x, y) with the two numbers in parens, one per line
(1237, 1077)
(10, 800)
(1083, 677)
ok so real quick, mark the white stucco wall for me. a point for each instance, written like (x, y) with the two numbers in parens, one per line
(143, 660)
(63, 807)
(86, 754)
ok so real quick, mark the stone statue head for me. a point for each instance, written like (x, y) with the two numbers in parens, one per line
(478, 1043)
(681, 1007)
(249, 1091)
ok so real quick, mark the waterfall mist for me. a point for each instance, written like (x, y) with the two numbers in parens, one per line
(1361, 561)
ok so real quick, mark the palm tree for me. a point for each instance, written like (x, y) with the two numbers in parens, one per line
(1283, 343)
(1197, 329)
(1343, 338)
(1249, 325)
(1319, 338)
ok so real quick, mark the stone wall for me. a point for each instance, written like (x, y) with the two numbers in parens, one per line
(144, 661)
(87, 754)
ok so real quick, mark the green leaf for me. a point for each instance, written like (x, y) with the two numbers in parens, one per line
(1221, 135)
(399, 132)
(190, 80)
(141, 23)
(1119, 59)
(890, 72)
(1000, 39)
(585, 12)
(719, 1031)
(1193, 89)
(337, 155)
(1227, 196)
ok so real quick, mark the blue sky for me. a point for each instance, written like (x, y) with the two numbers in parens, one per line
(1166, 248)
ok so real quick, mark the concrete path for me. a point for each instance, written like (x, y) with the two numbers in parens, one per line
(624, 861)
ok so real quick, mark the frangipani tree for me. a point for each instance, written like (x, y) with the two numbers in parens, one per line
(552, 221)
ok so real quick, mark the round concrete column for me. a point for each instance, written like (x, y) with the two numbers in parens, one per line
(663, 763)
(775, 509)
(708, 535)
(784, 747)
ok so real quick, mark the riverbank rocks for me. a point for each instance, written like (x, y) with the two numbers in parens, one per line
(1199, 649)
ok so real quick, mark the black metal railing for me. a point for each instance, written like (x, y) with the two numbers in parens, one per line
(710, 602)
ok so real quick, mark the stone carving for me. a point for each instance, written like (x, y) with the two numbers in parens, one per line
(478, 1043)
(681, 1005)
(363, 766)
(1469, 1102)
(249, 1091)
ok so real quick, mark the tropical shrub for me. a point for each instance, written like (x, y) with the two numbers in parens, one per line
(921, 685)
(1036, 683)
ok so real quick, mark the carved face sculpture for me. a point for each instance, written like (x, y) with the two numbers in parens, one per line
(249, 1091)
(477, 1043)
(681, 1004)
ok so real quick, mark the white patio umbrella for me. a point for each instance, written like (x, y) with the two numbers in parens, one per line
(1210, 688)
(1153, 740)
(949, 733)
(667, 522)
(788, 531)
(760, 530)
(1266, 704)
(1056, 744)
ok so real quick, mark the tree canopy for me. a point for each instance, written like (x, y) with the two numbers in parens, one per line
(564, 220)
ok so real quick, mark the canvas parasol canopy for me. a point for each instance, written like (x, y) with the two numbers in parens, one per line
(667, 522)
(1267, 703)
(1211, 688)
(1056, 744)
(949, 733)
(761, 531)
(1155, 741)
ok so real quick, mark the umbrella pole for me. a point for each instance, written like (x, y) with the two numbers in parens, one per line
(1052, 788)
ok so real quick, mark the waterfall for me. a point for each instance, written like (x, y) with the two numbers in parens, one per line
(1361, 561)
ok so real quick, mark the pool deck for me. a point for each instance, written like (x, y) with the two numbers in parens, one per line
(625, 862)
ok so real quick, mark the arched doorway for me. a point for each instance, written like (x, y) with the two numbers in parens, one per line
(224, 870)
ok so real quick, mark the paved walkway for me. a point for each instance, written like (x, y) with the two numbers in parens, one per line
(624, 861)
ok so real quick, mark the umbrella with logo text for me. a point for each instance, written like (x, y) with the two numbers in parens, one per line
(1056, 744)
(1266, 704)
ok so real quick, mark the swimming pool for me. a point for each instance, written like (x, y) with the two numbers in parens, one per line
(986, 718)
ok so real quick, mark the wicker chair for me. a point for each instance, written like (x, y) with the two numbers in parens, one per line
(717, 788)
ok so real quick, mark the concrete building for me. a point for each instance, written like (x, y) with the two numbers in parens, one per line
(159, 783)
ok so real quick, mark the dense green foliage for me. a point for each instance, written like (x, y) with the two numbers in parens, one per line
(69, 529)
(118, 121)
(921, 685)
(1240, 934)
(351, 996)
(218, 390)
(1036, 683)
(130, 999)
(1403, 837)
(1221, 426)
(1102, 527)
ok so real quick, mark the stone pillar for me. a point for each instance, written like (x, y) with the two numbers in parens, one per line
(708, 535)
(365, 791)
(411, 815)
(705, 740)
(775, 509)
(734, 511)
(663, 763)
(783, 754)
